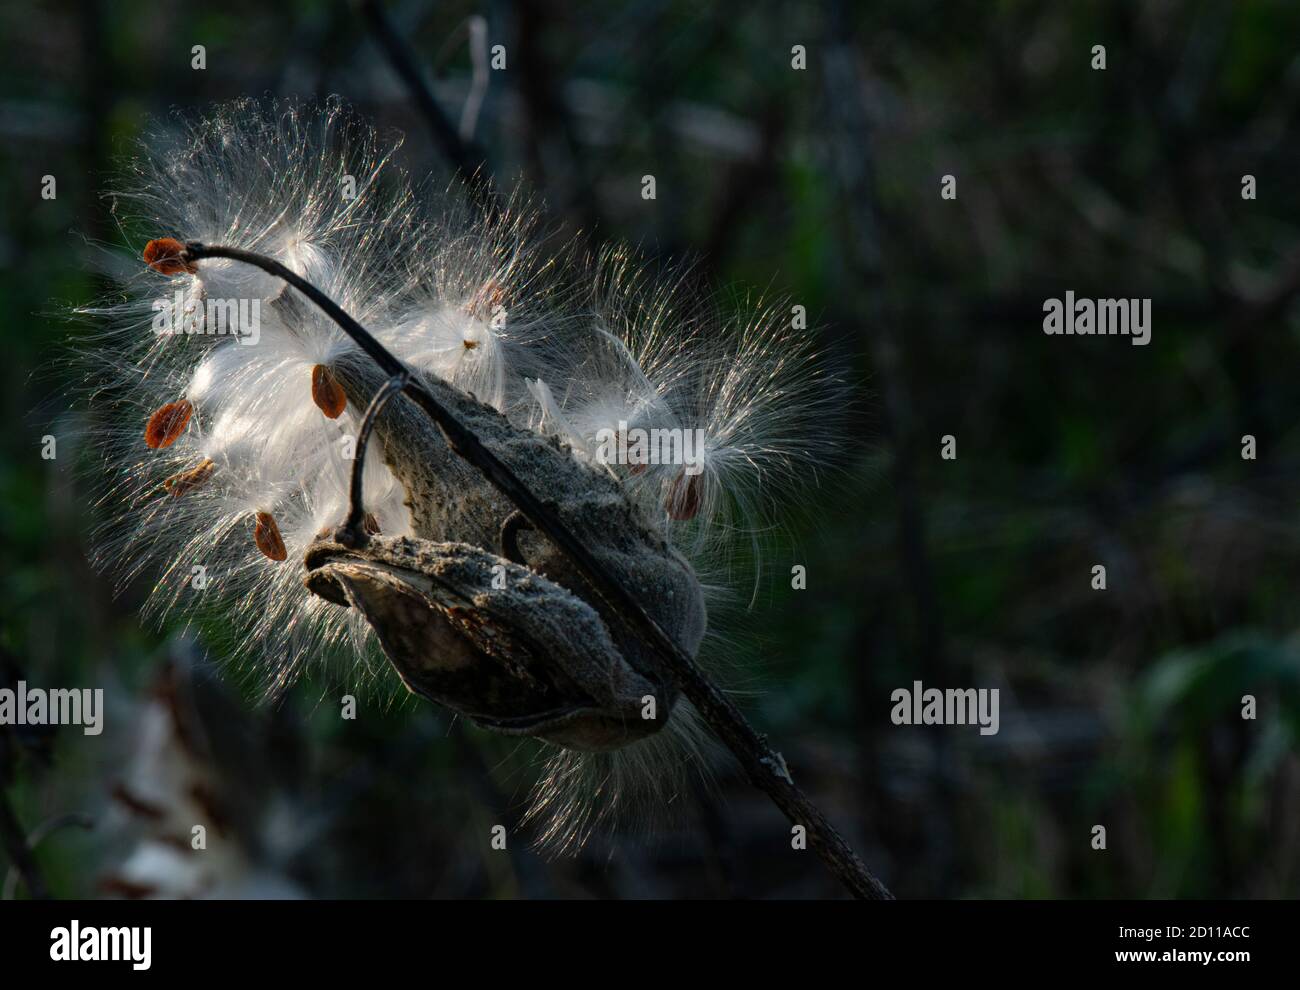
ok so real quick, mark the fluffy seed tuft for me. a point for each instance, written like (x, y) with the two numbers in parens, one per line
(570, 347)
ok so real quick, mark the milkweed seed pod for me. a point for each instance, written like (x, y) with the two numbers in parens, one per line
(658, 431)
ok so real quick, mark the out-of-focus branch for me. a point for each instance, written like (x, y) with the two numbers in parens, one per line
(745, 185)
(852, 152)
(478, 80)
(19, 852)
(467, 157)
(39, 834)
(547, 121)
(13, 838)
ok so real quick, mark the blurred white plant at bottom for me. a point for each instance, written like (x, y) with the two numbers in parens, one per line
(193, 829)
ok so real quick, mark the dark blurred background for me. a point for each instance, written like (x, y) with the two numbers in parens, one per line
(1119, 708)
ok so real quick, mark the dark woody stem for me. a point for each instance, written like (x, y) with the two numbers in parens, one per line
(764, 766)
(356, 507)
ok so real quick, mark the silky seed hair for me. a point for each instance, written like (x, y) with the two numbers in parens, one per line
(221, 456)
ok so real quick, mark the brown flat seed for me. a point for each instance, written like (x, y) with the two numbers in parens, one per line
(167, 255)
(370, 524)
(683, 497)
(167, 423)
(187, 481)
(266, 534)
(327, 393)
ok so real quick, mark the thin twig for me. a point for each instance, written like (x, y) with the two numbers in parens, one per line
(356, 508)
(20, 855)
(764, 766)
(39, 834)
(863, 234)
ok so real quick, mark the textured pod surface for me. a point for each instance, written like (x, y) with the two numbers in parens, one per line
(451, 501)
(490, 639)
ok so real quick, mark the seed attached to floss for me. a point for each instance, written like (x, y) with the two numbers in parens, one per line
(167, 423)
(370, 524)
(187, 481)
(167, 256)
(683, 500)
(266, 534)
(483, 304)
(327, 393)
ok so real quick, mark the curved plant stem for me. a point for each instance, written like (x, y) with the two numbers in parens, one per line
(764, 766)
(356, 507)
